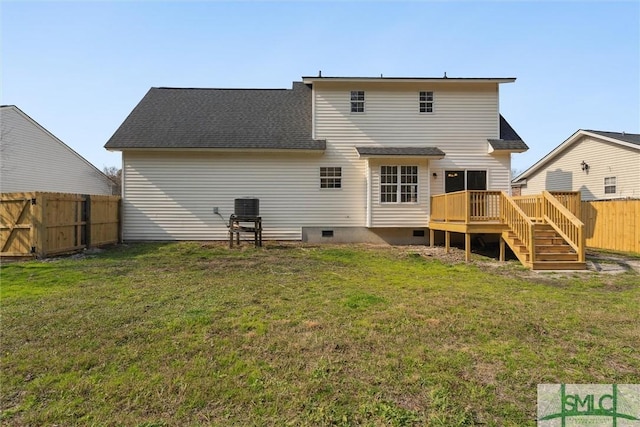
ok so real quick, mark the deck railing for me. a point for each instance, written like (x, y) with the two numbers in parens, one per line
(564, 222)
(532, 204)
(519, 223)
(466, 206)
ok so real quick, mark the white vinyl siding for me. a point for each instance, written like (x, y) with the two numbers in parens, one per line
(605, 159)
(35, 160)
(171, 195)
(467, 115)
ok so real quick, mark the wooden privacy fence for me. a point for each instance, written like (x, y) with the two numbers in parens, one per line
(612, 224)
(44, 224)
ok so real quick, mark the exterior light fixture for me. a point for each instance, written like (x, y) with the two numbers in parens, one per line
(585, 166)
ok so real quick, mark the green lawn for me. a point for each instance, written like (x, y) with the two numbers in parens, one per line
(197, 334)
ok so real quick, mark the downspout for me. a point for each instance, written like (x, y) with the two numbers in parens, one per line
(369, 205)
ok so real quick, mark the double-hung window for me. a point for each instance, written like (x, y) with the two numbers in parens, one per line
(330, 177)
(398, 184)
(357, 101)
(610, 185)
(426, 102)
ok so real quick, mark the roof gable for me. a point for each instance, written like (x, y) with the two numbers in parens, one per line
(180, 118)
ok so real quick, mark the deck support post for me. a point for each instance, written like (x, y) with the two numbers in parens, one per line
(431, 237)
(447, 241)
(502, 249)
(467, 247)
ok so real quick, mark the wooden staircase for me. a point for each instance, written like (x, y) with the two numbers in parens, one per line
(552, 252)
(543, 230)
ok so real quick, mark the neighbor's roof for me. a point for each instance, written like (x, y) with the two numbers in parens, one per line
(630, 140)
(509, 139)
(173, 118)
(401, 151)
(633, 138)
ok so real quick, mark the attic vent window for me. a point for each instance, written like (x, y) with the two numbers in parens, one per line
(357, 101)
(426, 102)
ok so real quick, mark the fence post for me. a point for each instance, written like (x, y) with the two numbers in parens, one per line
(87, 219)
(38, 244)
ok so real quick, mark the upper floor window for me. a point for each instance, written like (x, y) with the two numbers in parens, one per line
(610, 185)
(330, 177)
(398, 183)
(426, 102)
(357, 101)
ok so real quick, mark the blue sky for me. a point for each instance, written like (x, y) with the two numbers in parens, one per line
(79, 68)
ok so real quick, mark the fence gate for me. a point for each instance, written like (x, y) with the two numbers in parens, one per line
(16, 224)
(44, 224)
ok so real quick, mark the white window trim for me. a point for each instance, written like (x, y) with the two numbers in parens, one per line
(364, 102)
(398, 185)
(433, 102)
(614, 185)
(329, 178)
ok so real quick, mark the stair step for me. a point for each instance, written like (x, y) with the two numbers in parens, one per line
(564, 248)
(550, 240)
(556, 257)
(558, 265)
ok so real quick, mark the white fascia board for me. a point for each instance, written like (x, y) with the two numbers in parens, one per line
(220, 150)
(312, 80)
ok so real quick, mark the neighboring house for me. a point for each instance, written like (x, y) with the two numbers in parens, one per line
(33, 159)
(336, 159)
(601, 165)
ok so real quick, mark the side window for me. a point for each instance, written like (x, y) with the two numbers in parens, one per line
(330, 177)
(610, 185)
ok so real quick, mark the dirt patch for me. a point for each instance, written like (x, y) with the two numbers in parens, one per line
(597, 262)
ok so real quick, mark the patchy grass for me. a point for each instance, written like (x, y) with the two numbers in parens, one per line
(197, 334)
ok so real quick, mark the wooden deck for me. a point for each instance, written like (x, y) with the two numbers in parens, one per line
(544, 230)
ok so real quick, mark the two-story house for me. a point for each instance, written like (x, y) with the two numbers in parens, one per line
(336, 159)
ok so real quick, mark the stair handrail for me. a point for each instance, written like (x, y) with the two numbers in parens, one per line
(519, 223)
(566, 224)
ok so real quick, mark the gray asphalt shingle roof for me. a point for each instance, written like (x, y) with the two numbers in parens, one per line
(220, 118)
(509, 138)
(633, 138)
(400, 151)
